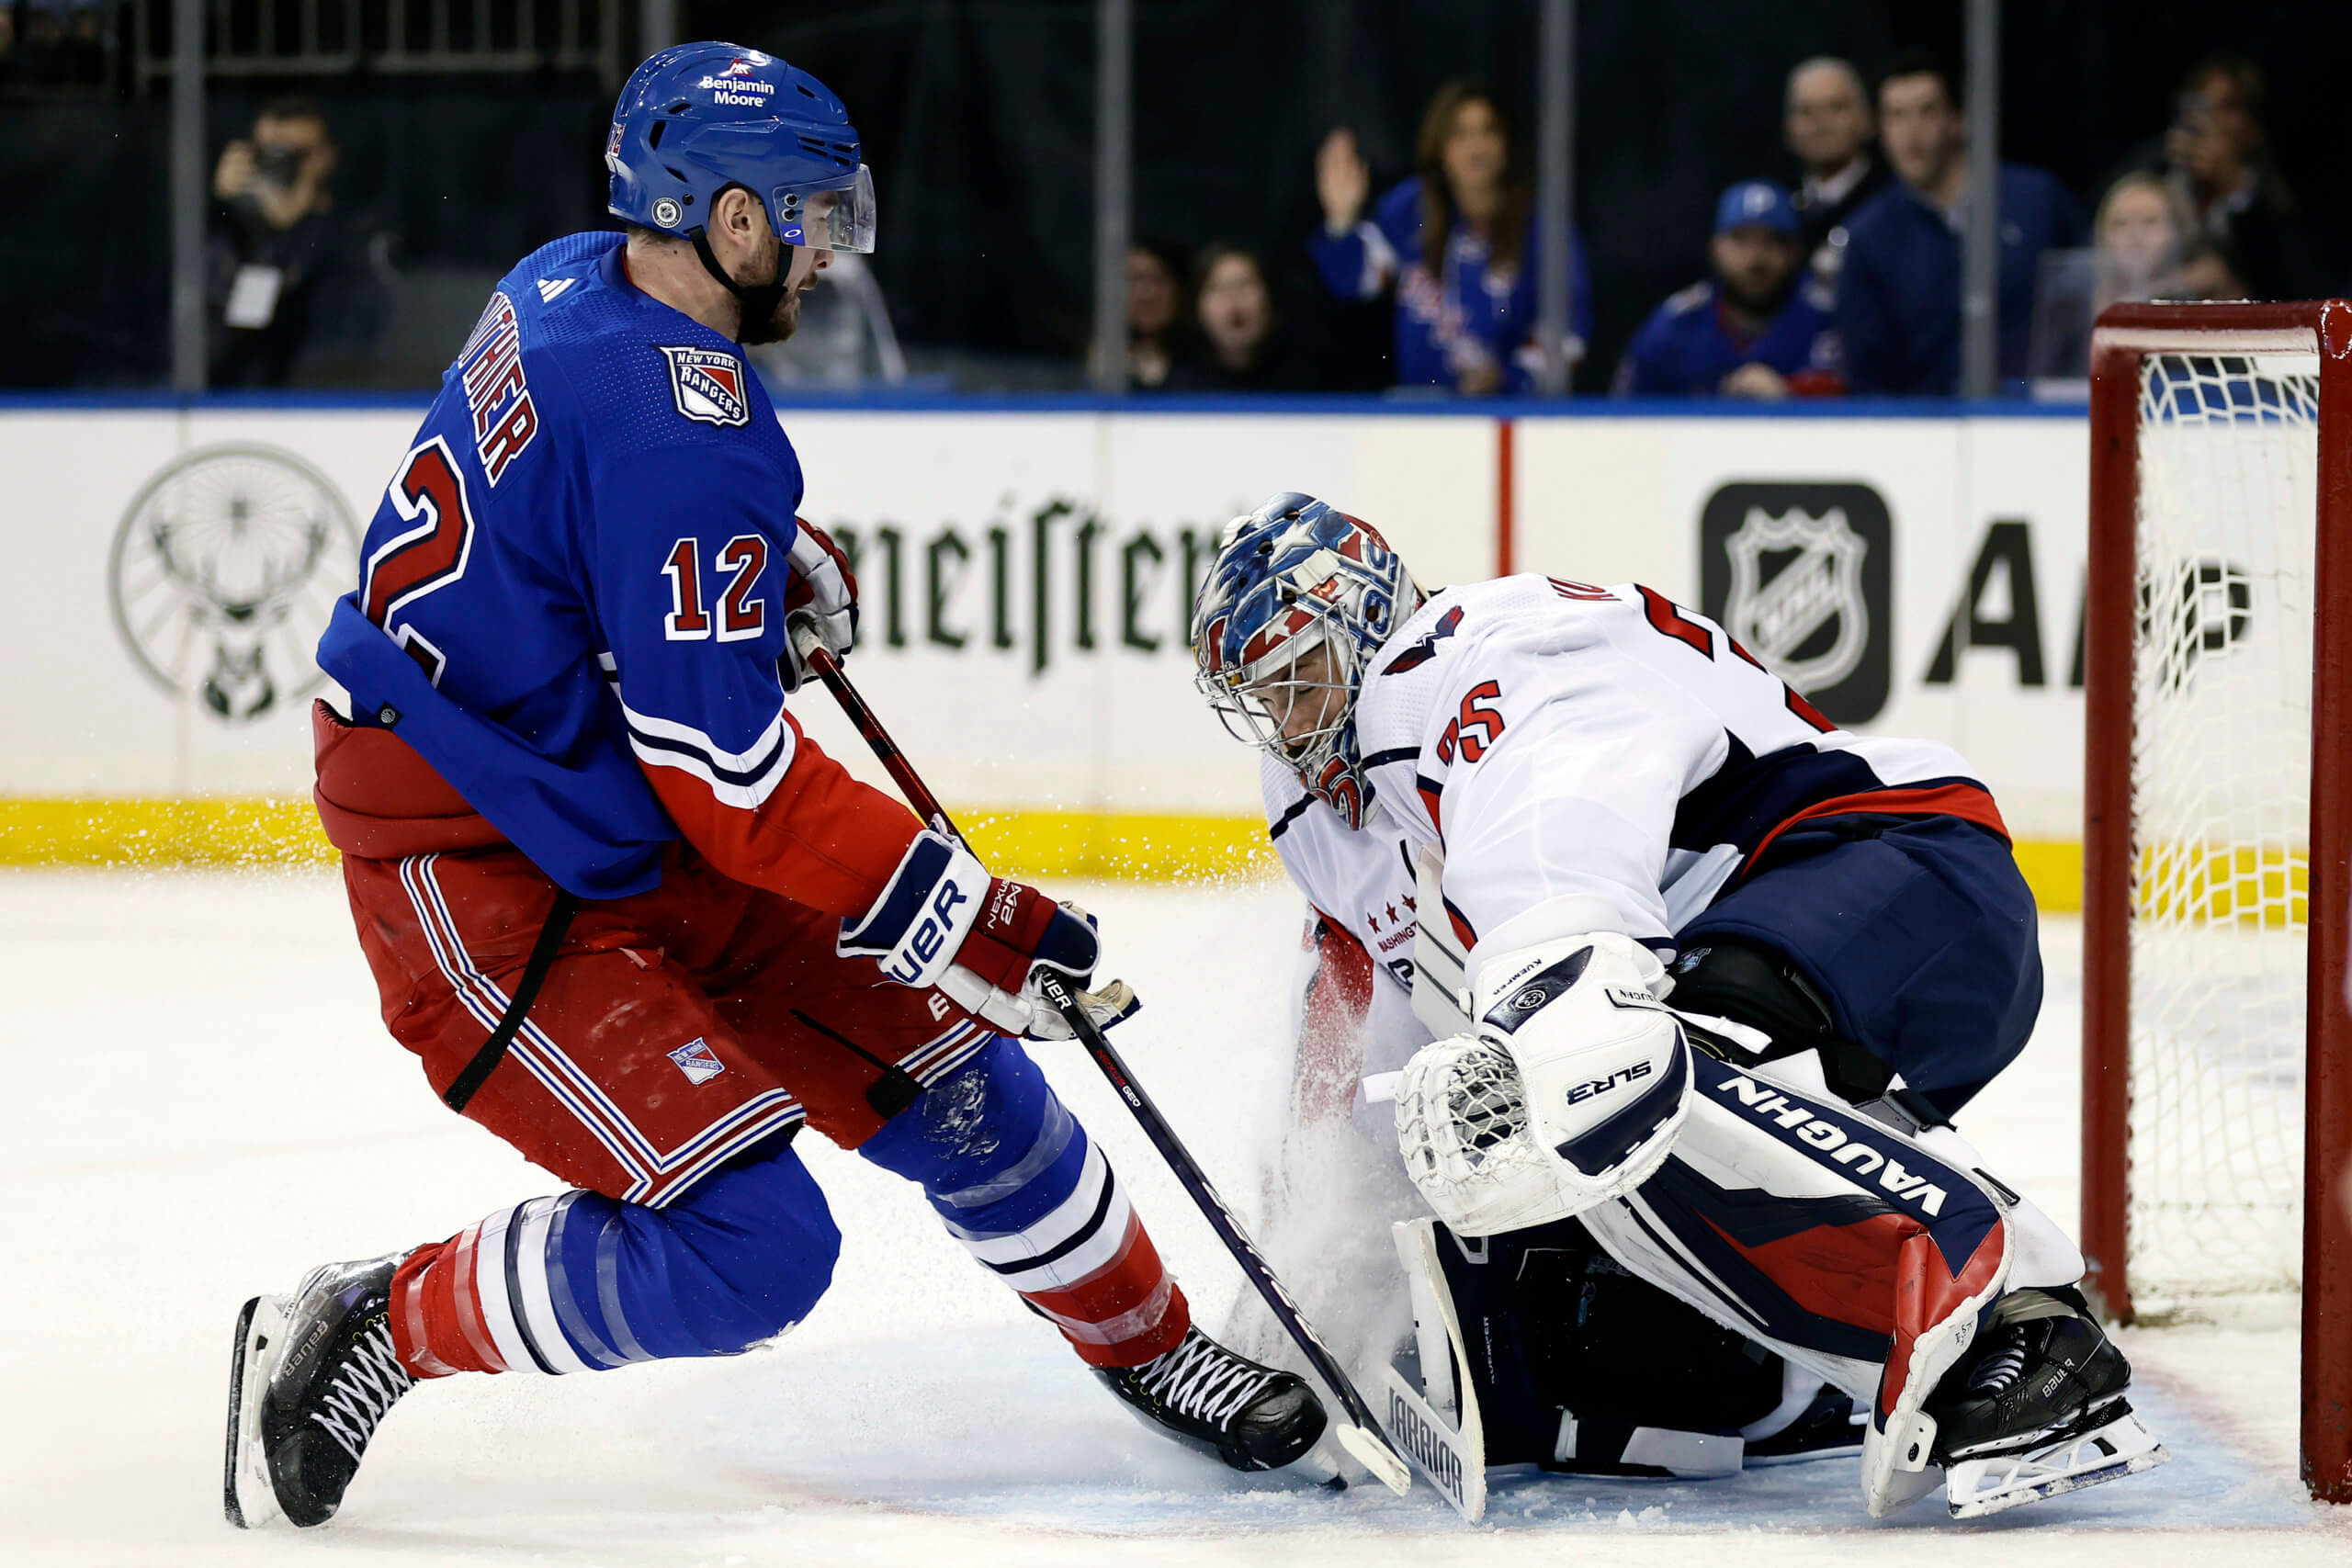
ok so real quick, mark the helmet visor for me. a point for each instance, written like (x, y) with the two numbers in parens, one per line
(840, 220)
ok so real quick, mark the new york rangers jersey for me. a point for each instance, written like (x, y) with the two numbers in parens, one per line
(1588, 759)
(572, 601)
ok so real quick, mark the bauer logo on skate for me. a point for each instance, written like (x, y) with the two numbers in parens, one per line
(707, 385)
(697, 1061)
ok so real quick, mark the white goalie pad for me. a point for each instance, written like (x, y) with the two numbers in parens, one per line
(1568, 1094)
(1851, 1249)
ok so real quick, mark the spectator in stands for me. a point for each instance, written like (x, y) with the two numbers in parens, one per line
(1155, 312)
(1457, 244)
(1239, 343)
(1898, 293)
(1829, 129)
(287, 272)
(2147, 248)
(1760, 328)
(2219, 167)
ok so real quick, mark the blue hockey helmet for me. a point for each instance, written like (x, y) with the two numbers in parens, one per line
(1294, 576)
(694, 119)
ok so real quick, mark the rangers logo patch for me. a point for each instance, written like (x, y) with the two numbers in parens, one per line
(697, 1061)
(709, 386)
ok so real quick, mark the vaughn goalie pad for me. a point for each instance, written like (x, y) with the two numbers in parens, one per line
(1849, 1249)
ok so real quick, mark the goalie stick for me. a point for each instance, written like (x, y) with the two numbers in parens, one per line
(1361, 1434)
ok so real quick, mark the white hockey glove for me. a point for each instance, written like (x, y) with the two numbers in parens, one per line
(1569, 1092)
(943, 922)
(820, 592)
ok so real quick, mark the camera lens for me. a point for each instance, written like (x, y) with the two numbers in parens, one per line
(278, 166)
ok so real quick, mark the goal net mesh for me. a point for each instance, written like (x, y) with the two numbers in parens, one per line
(2221, 783)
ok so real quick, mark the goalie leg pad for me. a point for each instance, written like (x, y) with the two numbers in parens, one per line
(1847, 1248)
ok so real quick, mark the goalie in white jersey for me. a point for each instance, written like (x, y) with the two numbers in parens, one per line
(1584, 803)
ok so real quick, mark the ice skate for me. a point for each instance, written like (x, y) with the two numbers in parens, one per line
(2038, 1410)
(1202, 1394)
(310, 1378)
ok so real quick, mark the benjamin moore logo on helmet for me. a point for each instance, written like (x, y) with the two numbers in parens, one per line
(736, 86)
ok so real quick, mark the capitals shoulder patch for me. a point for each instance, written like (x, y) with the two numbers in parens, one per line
(1421, 652)
(709, 386)
(697, 1061)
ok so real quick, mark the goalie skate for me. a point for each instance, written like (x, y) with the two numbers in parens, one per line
(2038, 1410)
(2115, 1446)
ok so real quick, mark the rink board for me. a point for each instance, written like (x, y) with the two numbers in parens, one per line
(1026, 572)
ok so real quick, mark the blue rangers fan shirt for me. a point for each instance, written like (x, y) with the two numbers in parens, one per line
(571, 598)
(1457, 310)
(1690, 346)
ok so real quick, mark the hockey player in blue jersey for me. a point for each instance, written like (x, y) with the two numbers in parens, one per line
(627, 916)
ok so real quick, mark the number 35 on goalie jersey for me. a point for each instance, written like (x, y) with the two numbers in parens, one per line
(1605, 751)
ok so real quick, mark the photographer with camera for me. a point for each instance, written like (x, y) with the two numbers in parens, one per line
(287, 271)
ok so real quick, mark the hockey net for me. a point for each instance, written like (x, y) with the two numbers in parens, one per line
(2217, 1099)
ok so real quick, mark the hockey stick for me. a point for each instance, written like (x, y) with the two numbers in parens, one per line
(1362, 1434)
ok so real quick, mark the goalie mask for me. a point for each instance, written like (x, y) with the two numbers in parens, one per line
(1296, 603)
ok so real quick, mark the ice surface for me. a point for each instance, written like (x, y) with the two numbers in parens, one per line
(202, 1104)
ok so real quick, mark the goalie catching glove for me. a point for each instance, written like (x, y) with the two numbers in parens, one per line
(1568, 1093)
(944, 921)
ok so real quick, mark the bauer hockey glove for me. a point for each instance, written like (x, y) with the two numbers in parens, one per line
(820, 591)
(943, 922)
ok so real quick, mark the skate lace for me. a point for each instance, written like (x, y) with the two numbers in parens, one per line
(2001, 1368)
(1201, 1379)
(363, 1388)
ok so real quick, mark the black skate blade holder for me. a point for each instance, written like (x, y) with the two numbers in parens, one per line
(1361, 1434)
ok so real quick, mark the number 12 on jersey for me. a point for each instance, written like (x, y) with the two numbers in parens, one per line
(741, 560)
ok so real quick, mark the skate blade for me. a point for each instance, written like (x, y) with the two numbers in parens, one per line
(1973, 1488)
(248, 1496)
(1375, 1456)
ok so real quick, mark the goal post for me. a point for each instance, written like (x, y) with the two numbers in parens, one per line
(2217, 854)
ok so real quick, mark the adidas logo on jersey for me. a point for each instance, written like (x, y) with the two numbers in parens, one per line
(1837, 1144)
(707, 385)
(551, 286)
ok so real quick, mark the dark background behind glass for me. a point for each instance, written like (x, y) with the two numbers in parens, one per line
(977, 118)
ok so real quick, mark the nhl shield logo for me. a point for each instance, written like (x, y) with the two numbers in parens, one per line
(1801, 573)
(709, 386)
(1796, 594)
(697, 1061)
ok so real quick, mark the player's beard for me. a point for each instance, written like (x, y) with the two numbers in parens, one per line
(769, 310)
(778, 324)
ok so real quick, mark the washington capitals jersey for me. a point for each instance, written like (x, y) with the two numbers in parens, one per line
(1588, 759)
(577, 573)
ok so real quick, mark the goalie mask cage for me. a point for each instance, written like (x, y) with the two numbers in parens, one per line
(2217, 1047)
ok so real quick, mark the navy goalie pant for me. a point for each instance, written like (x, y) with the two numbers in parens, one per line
(1917, 932)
